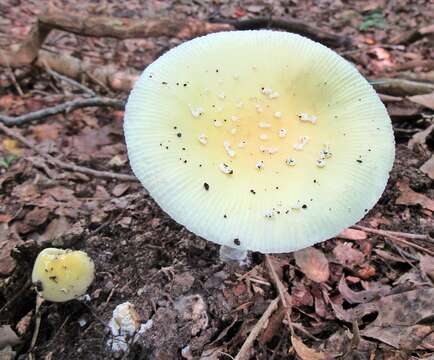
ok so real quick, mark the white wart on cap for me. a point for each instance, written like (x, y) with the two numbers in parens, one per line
(325, 153)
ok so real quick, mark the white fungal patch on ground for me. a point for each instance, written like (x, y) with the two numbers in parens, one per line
(282, 133)
(302, 142)
(290, 162)
(242, 144)
(221, 96)
(196, 112)
(226, 169)
(235, 118)
(259, 108)
(278, 114)
(259, 164)
(217, 123)
(307, 118)
(263, 137)
(203, 139)
(269, 214)
(321, 163)
(264, 125)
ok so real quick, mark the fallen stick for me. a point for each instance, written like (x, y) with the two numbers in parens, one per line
(283, 293)
(262, 323)
(396, 233)
(394, 238)
(401, 87)
(64, 165)
(70, 81)
(291, 25)
(102, 26)
(65, 107)
(77, 69)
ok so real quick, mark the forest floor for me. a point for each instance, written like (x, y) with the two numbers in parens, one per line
(372, 296)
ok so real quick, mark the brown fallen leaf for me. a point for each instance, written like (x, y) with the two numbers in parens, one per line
(36, 217)
(8, 337)
(313, 263)
(364, 296)
(352, 234)
(426, 100)
(306, 353)
(411, 197)
(8, 240)
(398, 323)
(120, 189)
(418, 140)
(426, 263)
(428, 167)
(347, 255)
(44, 132)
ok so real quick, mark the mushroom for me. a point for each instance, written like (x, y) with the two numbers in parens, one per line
(334, 139)
(62, 275)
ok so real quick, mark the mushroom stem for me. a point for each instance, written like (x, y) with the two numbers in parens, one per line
(228, 253)
(39, 301)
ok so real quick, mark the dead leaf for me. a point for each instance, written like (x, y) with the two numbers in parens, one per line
(8, 337)
(353, 234)
(428, 167)
(366, 271)
(426, 100)
(8, 240)
(120, 189)
(306, 353)
(364, 296)
(411, 197)
(36, 217)
(313, 263)
(11, 146)
(419, 139)
(426, 263)
(301, 295)
(55, 229)
(399, 319)
(46, 131)
(347, 255)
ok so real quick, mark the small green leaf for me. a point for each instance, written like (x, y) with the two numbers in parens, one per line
(6, 161)
(373, 19)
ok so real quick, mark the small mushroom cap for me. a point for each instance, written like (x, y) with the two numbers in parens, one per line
(62, 275)
(260, 140)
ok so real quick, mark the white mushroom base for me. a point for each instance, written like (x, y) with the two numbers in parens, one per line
(228, 254)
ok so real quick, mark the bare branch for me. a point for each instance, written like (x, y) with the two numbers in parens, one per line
(65, 107)
(291, 25)
(63, 164)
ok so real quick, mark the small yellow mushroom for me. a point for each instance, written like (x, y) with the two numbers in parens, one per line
(62, 275)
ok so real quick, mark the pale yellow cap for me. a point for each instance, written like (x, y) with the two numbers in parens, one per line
(61, 275)
(260, 140)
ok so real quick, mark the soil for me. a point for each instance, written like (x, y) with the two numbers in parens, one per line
(142, 256)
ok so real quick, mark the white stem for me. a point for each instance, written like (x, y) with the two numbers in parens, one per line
(228, 253)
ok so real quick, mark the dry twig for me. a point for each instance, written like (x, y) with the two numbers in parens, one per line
(283, 293)
(401, 87)
(65, 107)
(65, 165)
(292, 25)
(393, 237)
(243, 354)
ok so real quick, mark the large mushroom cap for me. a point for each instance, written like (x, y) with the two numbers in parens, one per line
(260, 140)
